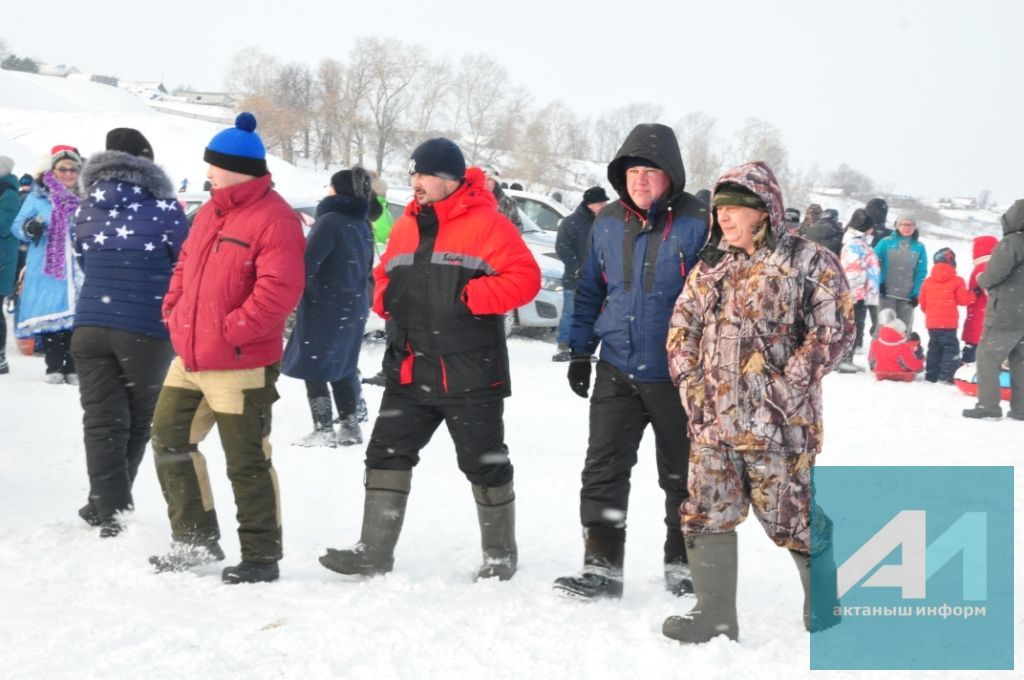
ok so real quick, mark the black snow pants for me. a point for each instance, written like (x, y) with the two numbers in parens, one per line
(620, 410)
(120, 374)
(943, 355)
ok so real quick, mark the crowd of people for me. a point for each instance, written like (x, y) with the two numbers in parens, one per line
(711, 316)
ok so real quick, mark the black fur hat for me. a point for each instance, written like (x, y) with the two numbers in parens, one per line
(355, 182)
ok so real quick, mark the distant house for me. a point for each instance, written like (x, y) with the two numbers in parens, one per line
(965, 203)
(57, 70)
(227, 99)
(146, 88)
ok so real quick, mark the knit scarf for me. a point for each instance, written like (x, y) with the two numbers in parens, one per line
(65, 203)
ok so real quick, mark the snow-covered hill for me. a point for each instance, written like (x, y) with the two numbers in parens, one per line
(37, 112)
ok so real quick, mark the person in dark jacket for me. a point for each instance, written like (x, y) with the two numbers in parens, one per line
(640, 250)
(811, 215)
(9, 206)
(826, 231)
(878, 212)
(127, 236)
(571, 248)
(507, 205)
(1003, 336)
(328, 334)
(452, 268)
(239, 276)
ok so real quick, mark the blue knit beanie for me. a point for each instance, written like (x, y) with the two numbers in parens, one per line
(238, 149)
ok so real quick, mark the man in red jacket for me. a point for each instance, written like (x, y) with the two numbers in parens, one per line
(239, 275)
(452, 268)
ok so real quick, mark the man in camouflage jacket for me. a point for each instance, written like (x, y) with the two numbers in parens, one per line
(762, 318)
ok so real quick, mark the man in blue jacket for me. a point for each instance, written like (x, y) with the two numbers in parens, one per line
(640, 250)
(904, 264)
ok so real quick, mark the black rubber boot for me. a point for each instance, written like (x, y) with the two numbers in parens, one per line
(604, 549)
(250, 572)
(387, 492)
(713, 563)
(496, 510)
(820, 601)
(323, 428)
(678, 579)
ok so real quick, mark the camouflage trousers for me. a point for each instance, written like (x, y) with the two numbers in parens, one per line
(239, 403)
(725, 483)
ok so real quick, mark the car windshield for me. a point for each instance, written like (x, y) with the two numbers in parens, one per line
(529, 226)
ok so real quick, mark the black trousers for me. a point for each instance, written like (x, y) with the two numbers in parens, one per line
(620, 410)
(405, 426)
(58, 352)
(120, 374)
(346, 393)
(943, 355)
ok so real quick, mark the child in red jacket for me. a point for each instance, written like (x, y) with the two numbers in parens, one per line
(893, 356)
(981, 251)
(941, 293)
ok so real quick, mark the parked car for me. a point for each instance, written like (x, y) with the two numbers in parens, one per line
(543, 311)
(305, 208)
(543, 210)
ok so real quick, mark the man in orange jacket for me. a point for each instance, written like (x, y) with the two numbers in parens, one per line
(452, 268)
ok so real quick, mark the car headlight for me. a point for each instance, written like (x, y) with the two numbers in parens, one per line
(549, 282)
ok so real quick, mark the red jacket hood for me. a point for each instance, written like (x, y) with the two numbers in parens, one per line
(888, 335)
(983, 247)
(942, 272)
(471, 193)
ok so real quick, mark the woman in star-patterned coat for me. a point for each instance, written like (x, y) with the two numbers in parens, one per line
(127, 235)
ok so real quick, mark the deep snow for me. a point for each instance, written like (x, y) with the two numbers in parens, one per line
(76, 606)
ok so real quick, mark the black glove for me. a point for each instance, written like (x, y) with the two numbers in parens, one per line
(34, 229)
(913, 301)
(579, 374)
(978, 292)
(881, 289)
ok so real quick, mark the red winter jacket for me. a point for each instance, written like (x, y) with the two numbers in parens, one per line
(893, 357)
(446, 285)
(982, 250)
(239, 275)
(940, 295)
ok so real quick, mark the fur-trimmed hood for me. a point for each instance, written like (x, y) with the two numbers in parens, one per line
(122, 167)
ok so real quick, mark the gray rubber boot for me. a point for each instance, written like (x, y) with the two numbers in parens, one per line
(496, 510)
(821, 602)
(713, 563)
(604, 551)
(387, 492)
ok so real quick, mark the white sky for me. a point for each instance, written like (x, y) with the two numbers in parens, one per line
(921, 95)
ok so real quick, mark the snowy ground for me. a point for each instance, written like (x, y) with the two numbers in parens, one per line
(78, 606)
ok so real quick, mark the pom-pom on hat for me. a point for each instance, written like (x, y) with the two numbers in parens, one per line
(62, 152)
(238, 149)
(440, 157)
(130, 141)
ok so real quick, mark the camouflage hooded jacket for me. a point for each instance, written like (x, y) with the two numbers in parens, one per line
(752, 336)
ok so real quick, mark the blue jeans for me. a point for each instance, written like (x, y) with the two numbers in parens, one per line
(565, 323)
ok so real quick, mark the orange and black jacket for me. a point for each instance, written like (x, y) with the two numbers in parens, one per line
(447, 277)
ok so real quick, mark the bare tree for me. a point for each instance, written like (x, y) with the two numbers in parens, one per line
(481, 91)
(852, 182)
(433, 97)
(250, 71)
(393, 68)
(759, 140)
(612, 126)
(326, 109)
(701, 150)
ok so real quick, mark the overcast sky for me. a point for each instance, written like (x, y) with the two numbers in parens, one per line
(925, 96)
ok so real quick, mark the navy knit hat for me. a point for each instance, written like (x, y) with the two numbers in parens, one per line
(238, 149)
(945, 255)
(439, 157)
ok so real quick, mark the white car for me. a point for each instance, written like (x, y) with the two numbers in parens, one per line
(543, 210)
(543, 311)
